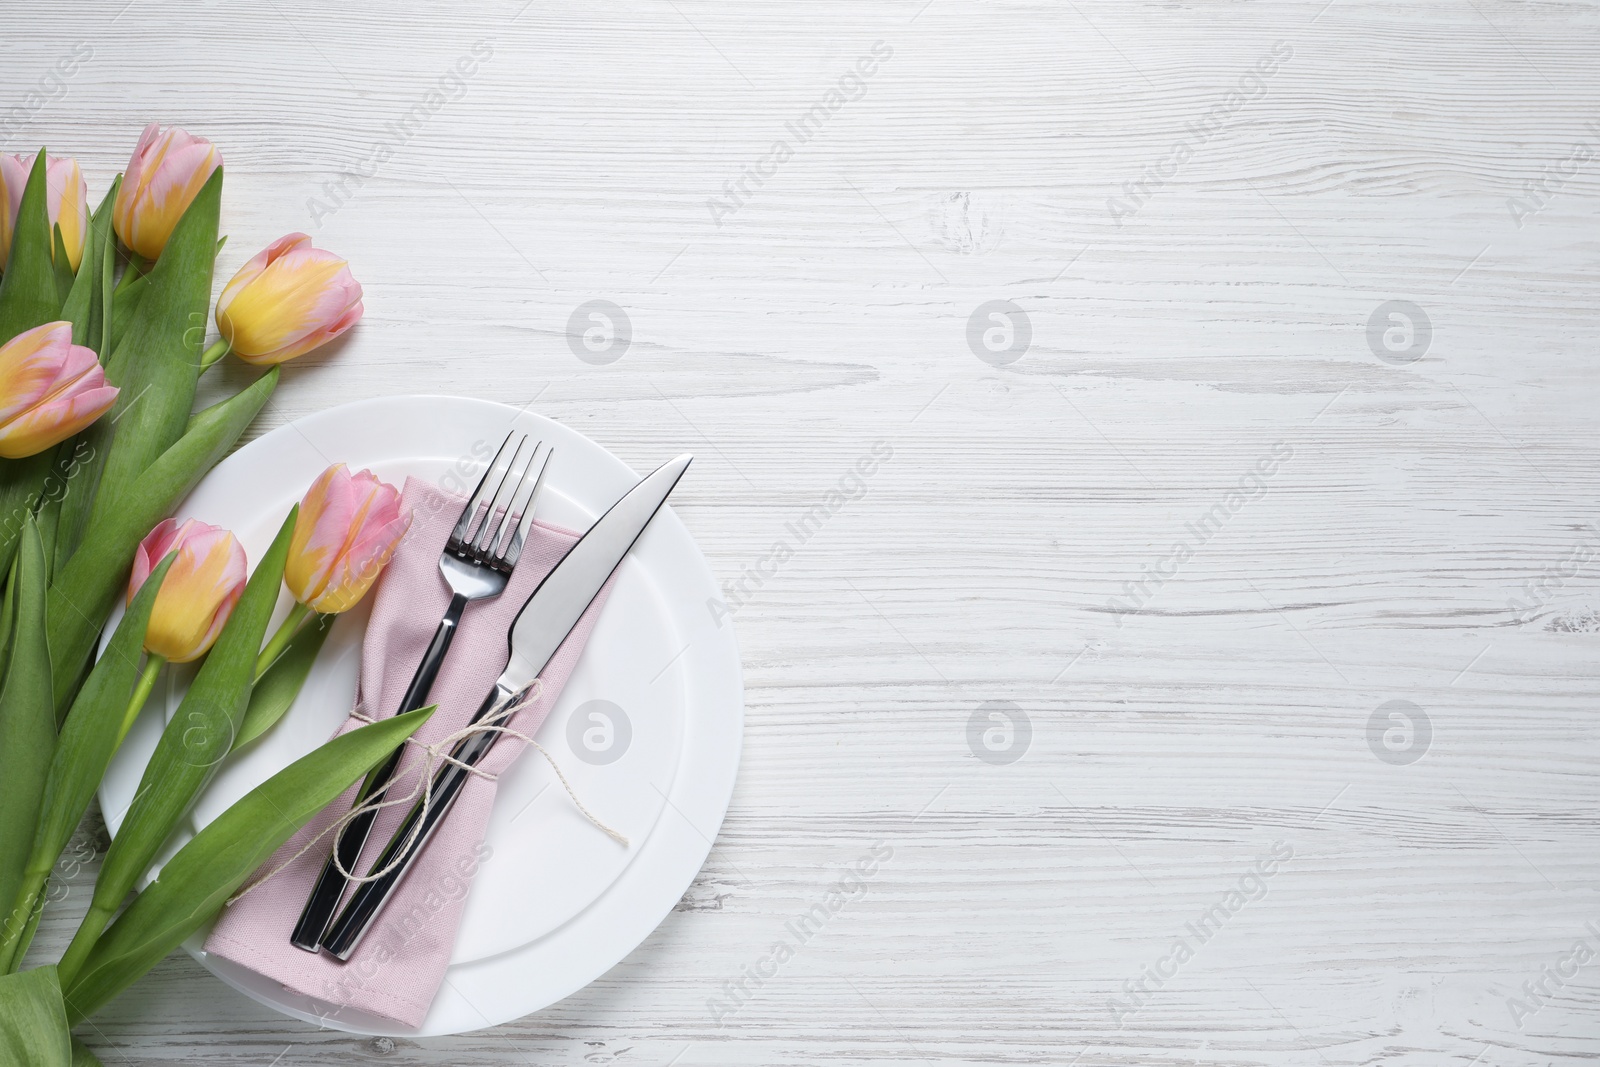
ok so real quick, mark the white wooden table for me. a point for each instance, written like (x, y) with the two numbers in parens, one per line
(1197, 502)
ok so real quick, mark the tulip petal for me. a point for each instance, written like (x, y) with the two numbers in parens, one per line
(54, 422)
(133, 179)
(151, 551)
(253, 270)
(315, 339)
(292, 297)
(320, 532)
(288, 300)
(348, 529)
(29, 364)
(374, 532)
(199, 591)
(49, 389)
(13, 179)
(357, 571)
(166, 172)
(68, 205)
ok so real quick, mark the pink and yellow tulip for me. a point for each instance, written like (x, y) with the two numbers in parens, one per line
(199, 592)
(50, 389)
(66, 202)
(286, 301)
(163, 177)
(346, 532)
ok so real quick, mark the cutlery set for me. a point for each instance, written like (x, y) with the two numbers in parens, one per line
(478, 559)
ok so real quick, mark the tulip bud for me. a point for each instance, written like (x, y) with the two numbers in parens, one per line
(66, 202)
(199, 592)
(346, 532)
(50, 389)
(164, 176)
(286, 301)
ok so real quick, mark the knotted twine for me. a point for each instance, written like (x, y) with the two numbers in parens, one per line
(433, 754)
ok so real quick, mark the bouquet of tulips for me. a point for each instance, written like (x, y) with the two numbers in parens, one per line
(103, 324)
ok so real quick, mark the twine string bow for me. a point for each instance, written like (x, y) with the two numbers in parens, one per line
(433, 754)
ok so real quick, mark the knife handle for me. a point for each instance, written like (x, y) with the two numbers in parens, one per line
(345, 935)
(350, 842)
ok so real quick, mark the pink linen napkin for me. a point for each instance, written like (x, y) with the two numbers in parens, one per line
(397, 968)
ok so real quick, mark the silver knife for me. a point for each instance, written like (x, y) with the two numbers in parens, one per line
(540, 627)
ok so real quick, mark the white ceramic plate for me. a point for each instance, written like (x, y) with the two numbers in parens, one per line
(647, 730)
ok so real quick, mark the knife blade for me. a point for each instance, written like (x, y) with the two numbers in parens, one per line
(543, 623)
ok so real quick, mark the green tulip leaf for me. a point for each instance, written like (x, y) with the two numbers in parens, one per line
(65, 494)
(34, 915)
(27, 727)
(48, 519)
(84, 302)
(153, 357)
(89, 308)
(125, 302)
(89, 738)
(275, 692)
(194, 743)
(7, 625)
(33, 1020)
(157, 362)
(62, 264)
(86, 308)
(28, 295)
(28, 298)
(101, 322)
(23, 484)
(197, 881)
(82, 595)
(82, 1057)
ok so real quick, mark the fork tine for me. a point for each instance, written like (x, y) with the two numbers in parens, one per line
(489, 532)
(513, 548)
(458, 536)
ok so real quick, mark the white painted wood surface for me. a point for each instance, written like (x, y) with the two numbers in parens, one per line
(1171, 747)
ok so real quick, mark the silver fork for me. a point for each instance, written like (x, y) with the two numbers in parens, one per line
(477, 562)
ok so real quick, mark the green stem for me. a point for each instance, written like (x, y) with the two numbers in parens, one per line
(141, 693)
(218, 349)
(135, 268)
(93, 925)
(281, 638)
(20, 922)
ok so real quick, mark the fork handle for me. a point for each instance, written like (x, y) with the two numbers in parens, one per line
(369, 899)
(330, 887)
(422, 681)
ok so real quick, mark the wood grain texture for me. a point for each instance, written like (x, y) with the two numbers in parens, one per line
(1172, 348)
